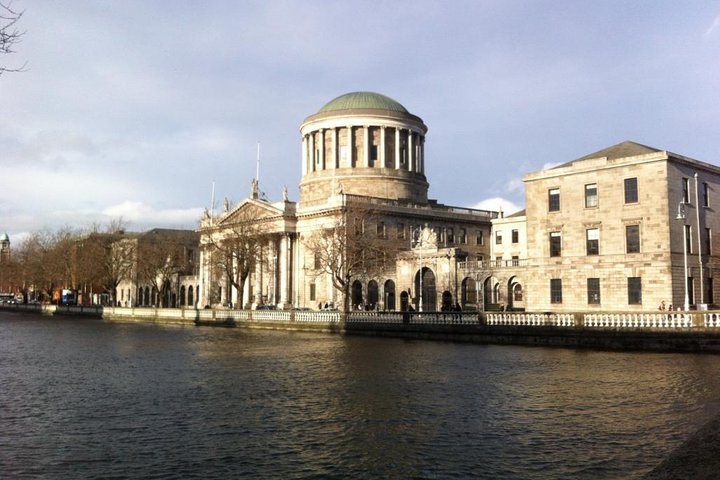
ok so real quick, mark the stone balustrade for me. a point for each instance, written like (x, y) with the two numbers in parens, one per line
(674, 320)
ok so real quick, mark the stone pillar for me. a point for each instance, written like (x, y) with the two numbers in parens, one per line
(284, 298)
(202, 283)
(334, 159)
(304, 155)
(411, 157)
(350, 148)
(312, 152)
(397, 148)
(322, 149)
(382, 146)
(258, 278)
(366, 146)
(422, 155)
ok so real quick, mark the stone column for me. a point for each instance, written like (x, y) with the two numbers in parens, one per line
(411, 157)
(312, 152)
(366, 146)
(304, 155)
(258, 278)
(397, 148)
(284, 299)
(349, 146)
(422, 155)
(202, 284)
(334, 159)
(322, 149)
(382, 146)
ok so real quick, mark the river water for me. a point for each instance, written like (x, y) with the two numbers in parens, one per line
(83, 398)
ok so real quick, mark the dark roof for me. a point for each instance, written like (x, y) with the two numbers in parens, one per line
(621, 150)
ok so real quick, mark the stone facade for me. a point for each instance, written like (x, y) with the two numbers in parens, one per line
(599, 233)
(361, 151)
(603, 233)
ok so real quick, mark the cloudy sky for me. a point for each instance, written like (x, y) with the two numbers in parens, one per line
(134, 109)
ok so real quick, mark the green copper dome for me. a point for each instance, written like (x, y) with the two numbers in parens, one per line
(364, 100)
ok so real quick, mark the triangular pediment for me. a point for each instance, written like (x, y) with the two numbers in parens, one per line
(250, 210)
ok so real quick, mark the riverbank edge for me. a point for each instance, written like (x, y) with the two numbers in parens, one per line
(698, 457)
(690, 340)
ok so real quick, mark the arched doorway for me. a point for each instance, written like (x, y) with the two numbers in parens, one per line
(191, 297)
(427, 292)
(356, 294)
(516, 295)
(182, 295)
(373, 295)
(491, 292)
(404, 301)
(389, 295)
(469, 293)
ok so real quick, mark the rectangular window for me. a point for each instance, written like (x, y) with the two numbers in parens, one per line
(498, 238)
(708, 241)
(706, 194)
(373, 152)
(632, 238)
(555, 244)
(480, 238)
(498, 262)
(462, 236)
(593, 291)
(634, 285)
(688, 238)
(438, 235)
(380, 229)
(515, 236)
(401, 231)
(312, 292)
(631, 190)
(592, 241)
(515, 260)
(691, 290)
(591, 195)
(555, 290)
(450, 235)
(554, 200)
(686, 190)
(316, 261)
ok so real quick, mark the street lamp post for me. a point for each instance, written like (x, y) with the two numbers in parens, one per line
(681, 215)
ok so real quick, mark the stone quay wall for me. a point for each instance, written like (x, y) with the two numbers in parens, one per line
(696, 331)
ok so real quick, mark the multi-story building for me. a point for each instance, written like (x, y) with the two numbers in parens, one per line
(605, 232)
(361, 152)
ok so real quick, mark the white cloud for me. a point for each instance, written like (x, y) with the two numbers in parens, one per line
(496, 204)
(140, 213)
(713, 27)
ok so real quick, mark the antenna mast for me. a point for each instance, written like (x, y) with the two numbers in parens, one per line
(257, 168)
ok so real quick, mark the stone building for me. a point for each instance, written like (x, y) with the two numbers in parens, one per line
(361, 152)
(605, 232)
(158, 268)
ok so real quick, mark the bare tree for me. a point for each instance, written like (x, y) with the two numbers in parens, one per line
(235, 252)
(350, 248)
(9, 34)
(105, 258)
(161, 258)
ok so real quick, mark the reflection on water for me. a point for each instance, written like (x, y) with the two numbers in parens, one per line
(81, 399)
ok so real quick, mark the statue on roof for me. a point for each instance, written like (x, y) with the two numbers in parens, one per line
(254, 188)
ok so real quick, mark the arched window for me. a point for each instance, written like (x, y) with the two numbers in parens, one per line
(190, 299)
(182, 295)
